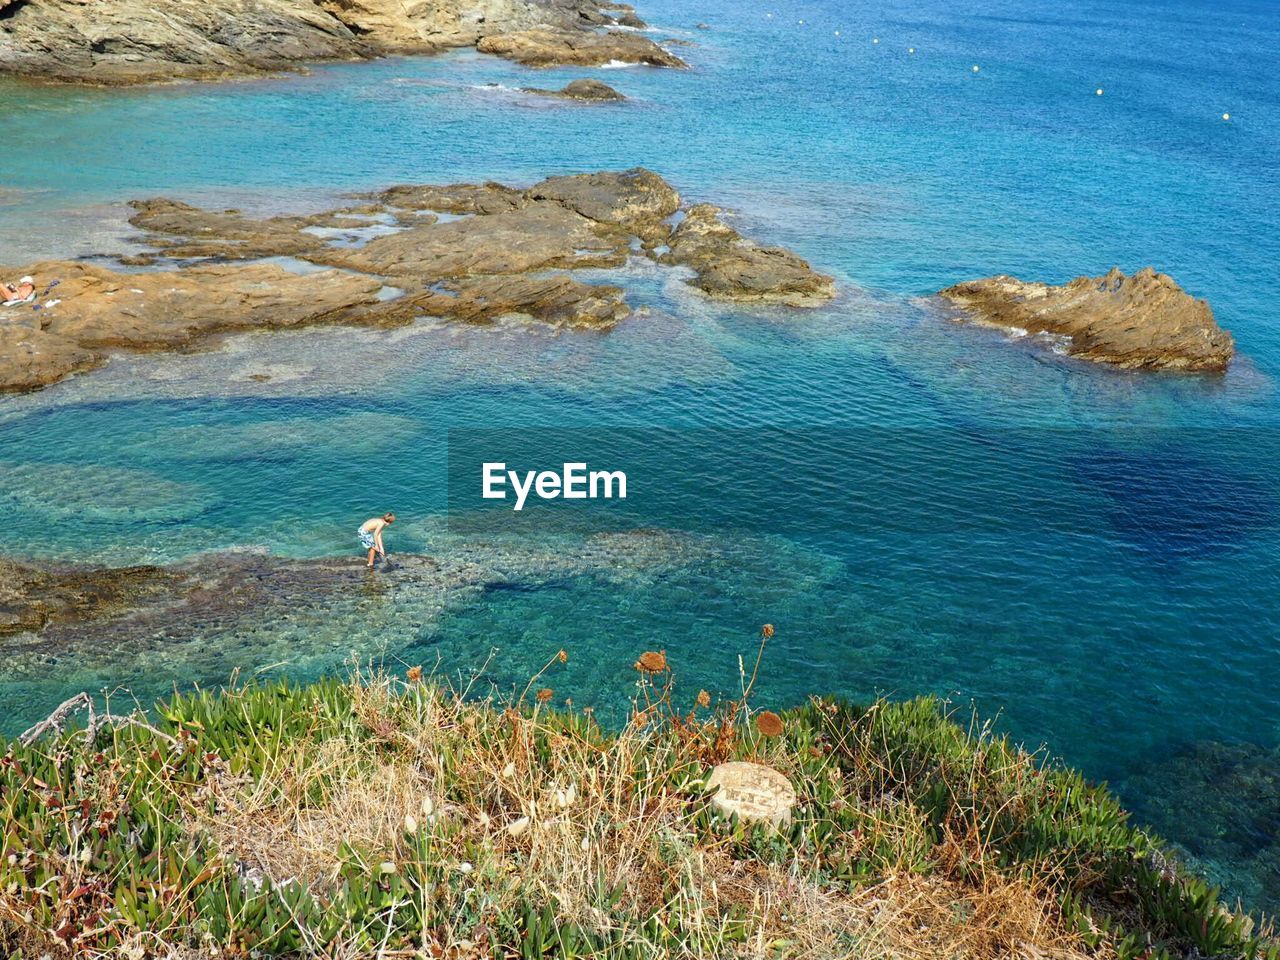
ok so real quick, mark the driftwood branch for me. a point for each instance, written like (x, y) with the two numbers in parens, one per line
(82, 701)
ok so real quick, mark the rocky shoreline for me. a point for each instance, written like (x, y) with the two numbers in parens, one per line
(462, 252)
(132, 42)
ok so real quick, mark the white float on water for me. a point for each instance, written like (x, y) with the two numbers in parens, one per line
(975, 68)
(1226, 116)
(875, 39)
(1098, 91)
(837, 33)
(911, 49)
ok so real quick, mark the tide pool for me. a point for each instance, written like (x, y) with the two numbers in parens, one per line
(1093, 556)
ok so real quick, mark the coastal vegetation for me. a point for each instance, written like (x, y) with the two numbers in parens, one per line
(393, 816)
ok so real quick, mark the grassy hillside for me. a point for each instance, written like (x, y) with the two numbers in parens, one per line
(379, 816)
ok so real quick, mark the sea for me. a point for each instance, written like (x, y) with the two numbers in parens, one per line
(1086, 558)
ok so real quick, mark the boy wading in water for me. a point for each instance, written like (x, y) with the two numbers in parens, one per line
(371, 536)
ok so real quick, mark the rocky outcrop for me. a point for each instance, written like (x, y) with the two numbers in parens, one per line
(99, 310)
(549, 48)
(591, 90)
(1144, 321)
(628, 200)
(134, 41)
(730, 267)
(468, 253)
(557, 300)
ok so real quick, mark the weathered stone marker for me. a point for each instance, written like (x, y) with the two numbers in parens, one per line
(754, 792)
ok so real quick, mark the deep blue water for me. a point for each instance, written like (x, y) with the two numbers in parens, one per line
(1093, 556)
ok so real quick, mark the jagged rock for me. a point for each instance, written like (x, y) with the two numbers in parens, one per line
(459, 198)
(101, 310)
(752, 792)
(581, 90)
(1143, 321)
(731, 267)
(630, 19)
(469, 267)
(625, 199)
(135, 41)
(557, 300)
(533, 237)
(45, 609)
(230, 235)
(546, 48)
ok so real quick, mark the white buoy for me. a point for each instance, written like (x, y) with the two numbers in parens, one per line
(1226, 116)
(769, 15)
(875, 39)
(837, 33)
(1098, 91)
(911, 49)
(801, 22)
(975, 68)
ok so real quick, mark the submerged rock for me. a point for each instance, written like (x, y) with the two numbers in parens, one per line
(33, 599)
(1143, 321)
(102, 613)
(732, 268)
(132, 41)
(1222, 800)
(592, 90)
(548, 48)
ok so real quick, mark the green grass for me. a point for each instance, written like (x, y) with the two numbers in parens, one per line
(376, 816)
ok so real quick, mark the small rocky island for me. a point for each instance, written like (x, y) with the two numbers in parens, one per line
(133, 41)
(1139, 322)
(461, 252)
(590, 90)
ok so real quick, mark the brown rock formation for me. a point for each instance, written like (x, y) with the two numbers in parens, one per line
(101, 310)
(135, 41)
(1143, 321)
(592, 90)
(730, 267)
(558, 300)
(462, 252)
(547, 48)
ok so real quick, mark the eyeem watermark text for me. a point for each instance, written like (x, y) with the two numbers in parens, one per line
(574, 482)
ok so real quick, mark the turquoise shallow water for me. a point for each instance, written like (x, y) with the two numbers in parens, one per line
(919, 507)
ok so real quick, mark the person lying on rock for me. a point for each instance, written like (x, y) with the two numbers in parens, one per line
(371, 536)
(21, 292)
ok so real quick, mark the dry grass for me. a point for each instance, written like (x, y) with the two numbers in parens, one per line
(595, 829)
